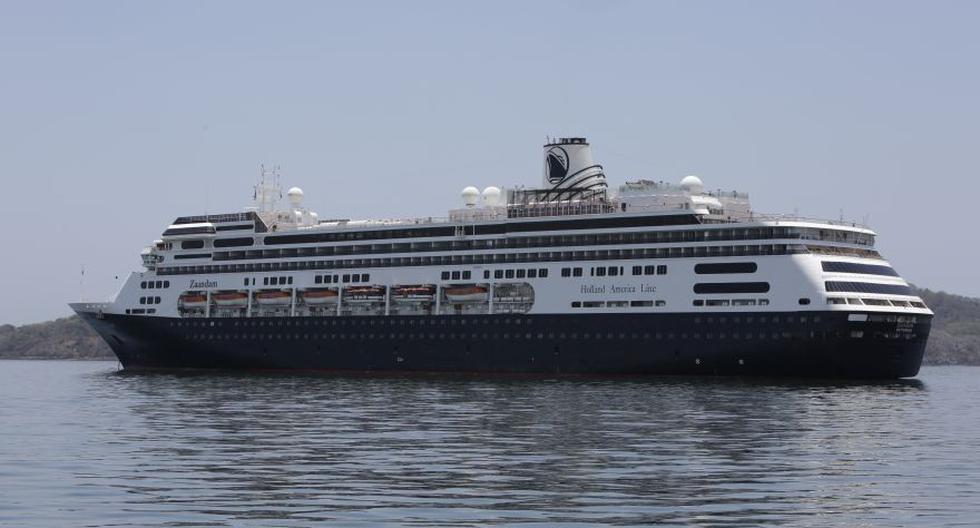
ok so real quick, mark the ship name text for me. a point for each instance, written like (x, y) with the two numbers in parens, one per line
(206, 283)
(593, 289)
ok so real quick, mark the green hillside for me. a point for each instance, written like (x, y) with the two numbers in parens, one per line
(66, 338)
(955, 336)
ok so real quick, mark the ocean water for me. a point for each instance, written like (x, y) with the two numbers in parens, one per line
(84, 445)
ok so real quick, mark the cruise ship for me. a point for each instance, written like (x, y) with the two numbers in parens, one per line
(573, 277)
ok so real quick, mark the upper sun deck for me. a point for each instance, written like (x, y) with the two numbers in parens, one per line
(617, 211)
(573, 192)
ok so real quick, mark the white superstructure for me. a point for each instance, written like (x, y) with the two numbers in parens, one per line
(571, 246)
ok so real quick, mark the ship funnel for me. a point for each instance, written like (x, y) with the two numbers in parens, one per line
(568, 167)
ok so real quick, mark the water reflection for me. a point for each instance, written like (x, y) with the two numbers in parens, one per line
(257, 449)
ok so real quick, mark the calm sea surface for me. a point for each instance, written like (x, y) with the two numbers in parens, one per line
(83, 445)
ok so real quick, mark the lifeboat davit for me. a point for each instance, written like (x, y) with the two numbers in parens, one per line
(462, 294)
(413, 293)
(231, 299)
(273, 298)
(364, 293)
(193, 300)
(319, 296)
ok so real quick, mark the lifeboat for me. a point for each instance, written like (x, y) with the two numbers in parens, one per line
(324, 296)
(413, 293)
(231, 299)
(193, 300)
(364, 293)
(273, 298)
(463, 294)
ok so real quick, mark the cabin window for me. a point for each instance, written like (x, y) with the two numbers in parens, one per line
(725, 267)
(233, 242)
(867, 287)
(853, 267)
(731, 287)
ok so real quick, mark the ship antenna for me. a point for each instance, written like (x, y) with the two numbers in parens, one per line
(276, 172)
(267, 193)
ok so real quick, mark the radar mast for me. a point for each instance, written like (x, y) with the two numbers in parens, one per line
(268, 191)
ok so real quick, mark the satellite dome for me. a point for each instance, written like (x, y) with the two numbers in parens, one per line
(470, 195)
(692, 184)
(491, 195)
(295, 196)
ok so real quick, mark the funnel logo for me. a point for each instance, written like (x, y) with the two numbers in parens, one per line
(557, 164)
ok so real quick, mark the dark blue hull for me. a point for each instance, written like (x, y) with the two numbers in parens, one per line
(796, 344)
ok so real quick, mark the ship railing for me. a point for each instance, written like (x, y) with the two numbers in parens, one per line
(768, 217)
(217, 218)
(400, 222)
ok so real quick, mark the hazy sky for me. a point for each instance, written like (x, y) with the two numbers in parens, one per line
(116, 117)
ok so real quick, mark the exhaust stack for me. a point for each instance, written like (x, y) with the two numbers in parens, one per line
(569, 169)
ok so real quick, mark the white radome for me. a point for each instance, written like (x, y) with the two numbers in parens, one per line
(295, 196)
(470, 195)
(491, 195)
(692, 184)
